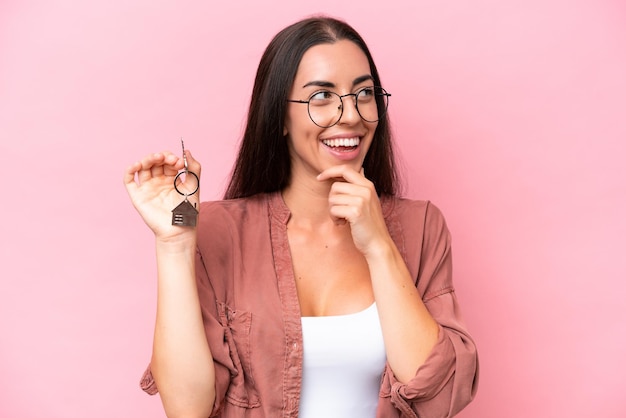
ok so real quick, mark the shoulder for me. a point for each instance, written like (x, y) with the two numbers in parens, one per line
(225, 224)
(232, 217)
(222, 210)
(421, 214)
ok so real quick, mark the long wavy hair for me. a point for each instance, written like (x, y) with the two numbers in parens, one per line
(263, 163)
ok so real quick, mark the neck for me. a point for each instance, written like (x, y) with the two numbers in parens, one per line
(308, 202)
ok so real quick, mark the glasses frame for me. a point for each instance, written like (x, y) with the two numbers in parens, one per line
(356, 105)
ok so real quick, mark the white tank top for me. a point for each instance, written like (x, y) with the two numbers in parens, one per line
(344, 357)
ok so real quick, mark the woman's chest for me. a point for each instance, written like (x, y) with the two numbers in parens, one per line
(331, 276)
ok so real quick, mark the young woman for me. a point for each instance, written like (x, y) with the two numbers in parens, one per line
(311, 290)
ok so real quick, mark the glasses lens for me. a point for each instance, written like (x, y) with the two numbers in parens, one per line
(371, 103)
(325, 108)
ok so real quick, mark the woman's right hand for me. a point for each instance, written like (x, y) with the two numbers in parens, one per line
(150, 185)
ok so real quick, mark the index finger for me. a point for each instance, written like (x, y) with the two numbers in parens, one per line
(342, 172)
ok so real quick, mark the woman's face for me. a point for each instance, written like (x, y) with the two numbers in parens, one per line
(341, 68)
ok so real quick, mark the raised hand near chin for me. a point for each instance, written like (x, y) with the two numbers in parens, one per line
(353, 199)
(150, 185)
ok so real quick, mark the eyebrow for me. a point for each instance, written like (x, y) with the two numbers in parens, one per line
(328, 84)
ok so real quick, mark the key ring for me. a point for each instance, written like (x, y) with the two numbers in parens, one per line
(197, 182)
(185, 214)
(186, 171)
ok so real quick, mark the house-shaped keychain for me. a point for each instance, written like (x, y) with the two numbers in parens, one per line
(184, 214)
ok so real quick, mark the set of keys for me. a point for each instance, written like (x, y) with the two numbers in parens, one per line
(185, 214)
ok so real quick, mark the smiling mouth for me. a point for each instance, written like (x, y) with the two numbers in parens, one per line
(342, 144)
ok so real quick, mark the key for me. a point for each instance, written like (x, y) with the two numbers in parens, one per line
(185, 214)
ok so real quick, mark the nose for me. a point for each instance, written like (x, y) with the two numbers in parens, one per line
(350, 113)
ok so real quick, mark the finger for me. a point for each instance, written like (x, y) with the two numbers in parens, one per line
(347, 213)
(192, 163)
(342, 187)
(338, 221)
(172, 164)
(147, 163)
(167, 165)
(157, 170)
(159, 164)
(355, 201)
(336, 216)
(342, 199)
(129, 174)
(341, 172)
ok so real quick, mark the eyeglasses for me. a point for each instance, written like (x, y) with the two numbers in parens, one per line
(326, 107)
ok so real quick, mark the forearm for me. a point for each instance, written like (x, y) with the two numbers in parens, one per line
(182, 365)
(409, 330)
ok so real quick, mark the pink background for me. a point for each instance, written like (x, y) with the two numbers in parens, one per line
(510, 116)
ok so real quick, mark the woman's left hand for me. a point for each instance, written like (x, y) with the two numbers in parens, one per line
(353, 199)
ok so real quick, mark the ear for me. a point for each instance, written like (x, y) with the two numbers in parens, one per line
(285, 131)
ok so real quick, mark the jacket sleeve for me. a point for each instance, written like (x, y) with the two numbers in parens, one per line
(447, 381)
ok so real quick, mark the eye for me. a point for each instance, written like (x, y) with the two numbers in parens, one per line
(322, 97)
(366, 94)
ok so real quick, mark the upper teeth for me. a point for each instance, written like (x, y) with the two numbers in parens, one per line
(341, 142)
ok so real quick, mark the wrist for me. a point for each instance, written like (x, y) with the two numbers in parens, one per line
(381, 250)
(182, 243)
